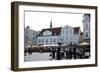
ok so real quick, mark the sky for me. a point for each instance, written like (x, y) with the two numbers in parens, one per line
(41, 20)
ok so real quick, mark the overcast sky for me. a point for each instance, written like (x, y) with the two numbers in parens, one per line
(41, 20)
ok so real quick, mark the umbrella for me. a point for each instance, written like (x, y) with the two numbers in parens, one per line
(45, 45)
(28, 46)
(34, 46)
(54, 45)
(84, 43)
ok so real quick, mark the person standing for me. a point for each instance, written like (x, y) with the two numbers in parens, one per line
(74, 52)
(58, 52)
(53, 53)
(70, 53)
(67, 53)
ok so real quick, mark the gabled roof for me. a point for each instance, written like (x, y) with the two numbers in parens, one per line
(55, 31)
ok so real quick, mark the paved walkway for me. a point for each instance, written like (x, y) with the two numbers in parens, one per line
(37, 57)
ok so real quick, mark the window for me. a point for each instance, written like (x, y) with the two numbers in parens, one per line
(66, 27)
(86, 26)
(60, 39)
(26, 32)
(63, 31)
(66, 31)
(70, 38)
(26, 40)
(51, 40)
(39, 40)
(87, 34)
(42, 40)
(33, 38)
(26, 36)
(66, 38)
(54, 40)
(46, 40)
(70, 31)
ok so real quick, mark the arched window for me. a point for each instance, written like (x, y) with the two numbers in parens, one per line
(66, 27)
(66, 31)
(63, 31)
(87, 34)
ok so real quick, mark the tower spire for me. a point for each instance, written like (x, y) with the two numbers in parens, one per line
(51, 24)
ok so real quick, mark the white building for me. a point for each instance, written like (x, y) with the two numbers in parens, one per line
(49, 36)
(70, 35)
(65, 35)
(86, 27)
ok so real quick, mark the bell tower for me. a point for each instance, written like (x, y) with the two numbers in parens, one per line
(86, 27)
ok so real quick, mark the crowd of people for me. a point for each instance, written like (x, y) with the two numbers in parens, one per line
(71, 52)
(59, 53)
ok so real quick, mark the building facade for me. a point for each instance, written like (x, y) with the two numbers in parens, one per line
(48, 36)
(29, 36)
(65, 35)
(70, 35)
(86, 27)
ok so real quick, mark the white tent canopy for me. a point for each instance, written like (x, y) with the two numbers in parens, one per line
(54, 45)
(45, 45)
(34, 46)
(84, 43)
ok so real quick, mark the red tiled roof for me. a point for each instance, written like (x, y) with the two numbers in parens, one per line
(76, 30)
(55, 31)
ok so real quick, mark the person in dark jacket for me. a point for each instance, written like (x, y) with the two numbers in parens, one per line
(74, 52)
(53, 53)
(67, 53)
(70, 53)
(58, 52)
